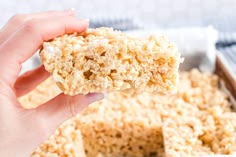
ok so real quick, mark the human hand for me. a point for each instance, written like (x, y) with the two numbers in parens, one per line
(23, 130)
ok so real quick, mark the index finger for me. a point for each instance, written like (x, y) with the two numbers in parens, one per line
(27, 40)
(18, 19)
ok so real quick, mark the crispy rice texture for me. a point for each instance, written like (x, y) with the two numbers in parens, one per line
(197, 120)
(105, 60)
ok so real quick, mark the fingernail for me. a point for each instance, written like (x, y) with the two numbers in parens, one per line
(105, 95)
(84, 20)
(87, 20)
(92, 97)
(70, 11)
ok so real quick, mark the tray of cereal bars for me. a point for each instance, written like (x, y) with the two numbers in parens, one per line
(193, 119)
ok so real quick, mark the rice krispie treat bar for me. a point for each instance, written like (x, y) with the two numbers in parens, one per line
(67, 142)
(105, 60)
(40, 94)
(197, 120)
(121, 128)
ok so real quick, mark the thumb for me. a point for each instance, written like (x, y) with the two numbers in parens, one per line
(63, 107)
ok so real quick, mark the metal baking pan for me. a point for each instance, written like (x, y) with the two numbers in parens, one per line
(227, 78)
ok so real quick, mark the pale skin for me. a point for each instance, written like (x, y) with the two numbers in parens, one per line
(22, 130)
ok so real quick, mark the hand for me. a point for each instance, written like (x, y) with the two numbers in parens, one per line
(23, 130)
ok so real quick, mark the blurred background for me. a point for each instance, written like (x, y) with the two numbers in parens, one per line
(184, 21)
(144, 13)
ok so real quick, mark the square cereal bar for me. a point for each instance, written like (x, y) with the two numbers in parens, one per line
(119, 126)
